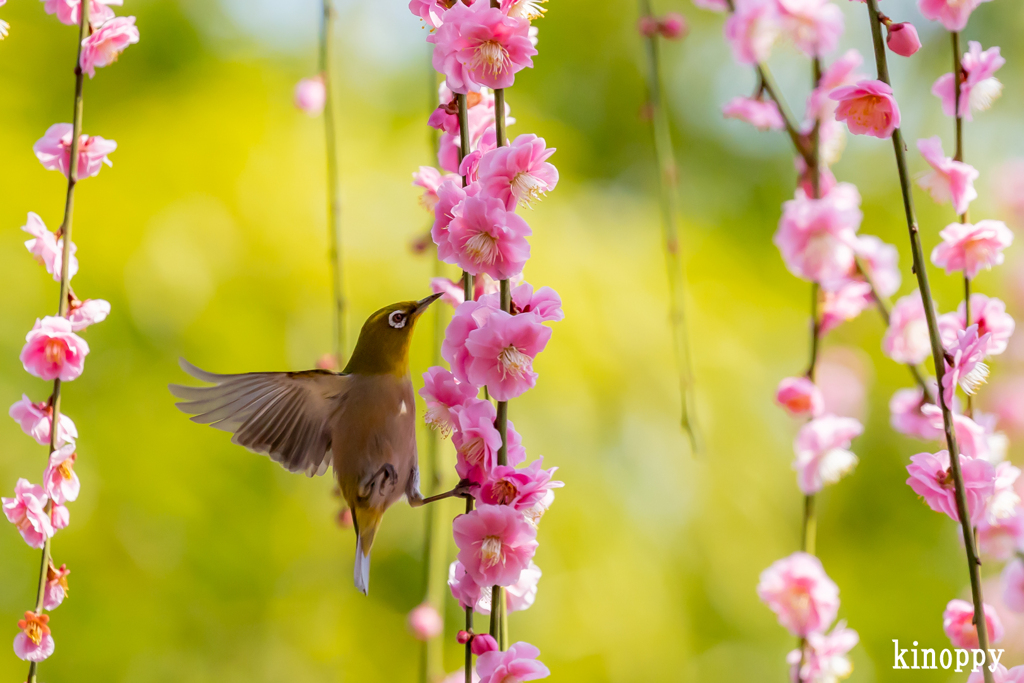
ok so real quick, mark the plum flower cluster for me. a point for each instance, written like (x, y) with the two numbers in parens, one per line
(482, 183)
(54, 349)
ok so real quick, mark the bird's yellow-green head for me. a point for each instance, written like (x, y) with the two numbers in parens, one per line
(383, 346)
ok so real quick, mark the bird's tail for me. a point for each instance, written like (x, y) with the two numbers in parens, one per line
(366, 521)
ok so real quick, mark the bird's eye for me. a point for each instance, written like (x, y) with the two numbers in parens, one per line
(397, 319)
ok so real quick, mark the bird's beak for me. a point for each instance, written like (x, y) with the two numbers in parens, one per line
(422, 304)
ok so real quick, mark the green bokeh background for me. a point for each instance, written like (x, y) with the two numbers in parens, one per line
(193, 560)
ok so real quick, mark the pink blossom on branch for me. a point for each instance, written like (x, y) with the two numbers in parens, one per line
(902, 39)
(26, 510)
(521, 489)
(906, 340)
(430, 11)
(518, 597)
(502, 353)
(822, 451)
(518, 663)
(36, 420)
(816, 236)
(518, 174)
(752, 29)
(957, 622)
(761, 114)
(972, 247)
(971, 436)
(953, 14)
(843, 302)
(989, 314)
(1005, 501)
(56, 586)
(47, 249)
(54, 151)
(932, 478)
(34, 643)
(82, 314)
(949, 180)
(979, 87)
(59, 479)
(802, 596)
(67, 11)
(469, 316)
(487, 238)
(106, 43)
(964, 364)
(825, 657)
(476, 440)
(800, 396)
(442, 392)
(814, 26)
(52, 350)
(495, 544)
(868, 108)
(311, 95)
(907, 415)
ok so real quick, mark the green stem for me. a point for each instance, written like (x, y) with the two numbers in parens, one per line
(469, 621)
(333, 186)
(668, 200)
(815, 331)
(938, 357)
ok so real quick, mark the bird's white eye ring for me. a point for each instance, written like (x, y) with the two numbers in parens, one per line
(397, 319)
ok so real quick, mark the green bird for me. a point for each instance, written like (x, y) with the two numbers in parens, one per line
(362, 420)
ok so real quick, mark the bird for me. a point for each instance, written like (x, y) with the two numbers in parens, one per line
(361, 421)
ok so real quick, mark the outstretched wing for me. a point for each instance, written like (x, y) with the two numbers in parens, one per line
(286, 415)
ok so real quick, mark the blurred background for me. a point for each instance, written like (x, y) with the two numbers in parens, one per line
(193, 560)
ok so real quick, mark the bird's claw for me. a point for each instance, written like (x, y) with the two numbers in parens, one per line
(464, 489)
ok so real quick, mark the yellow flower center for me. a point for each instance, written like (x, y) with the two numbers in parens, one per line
(473, 451)
(513, 362)
(34, 632)
(55, 351)
(491, 551)
(528, 188)
(482, 248)
(491, 57)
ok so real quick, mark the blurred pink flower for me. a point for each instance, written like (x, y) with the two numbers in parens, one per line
(487, 238)
(868, 108)
(906, 416)
(972, 247)
(1009, 180)
(518, 663)
(752, 30)
(979, 87)
(802, 596)
(1004, 502)
(967, 368)
(53, 351)
(882, 261)
(906, 340)
(469, 316)
(800, 396)
(503, 351)
(902, 39)
(478, 45)
(1000, 539)
(495, 544)
(60, 516)
(957, 622)
(761, 114)
(27, 512)
(822, 451)
(952, 15)
(82, 314)
(36, 420)
(54, 151)
(107, 42)
(989, 314)
(949, 180)
(1013, 587)
(647, 26)
(47, 249)
(971, 436)
(34, 643)
(59, 480)
(932, 479)
(430, 179)
(518, 174)
(311, 95)
(843, 303)
(712, 5)
(442, 392)
(425, 622)
(825, 657)
(814, 26)
(520, 489)
(673, 26)
(56, 586)
(843, 375)
(816, 236)
(1007, 398)
(67, 11)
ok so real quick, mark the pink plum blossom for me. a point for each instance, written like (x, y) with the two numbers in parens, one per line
(1001, 538)
(1010, 188)
(800, 396)
(752, 29)
(544, 302)
(450, 195)
(957, 622)
(843, 374)
(931, 478)
(521, 489)
(1005, 502)
(36, 420)
(59, 479)
(952, 14)
(495, 543)
(47, 249)
(802, 596)
(906, 340)
(53, 351)
(989, 314)
(503, 351)
(478, 45)
(34, 643)
(107, 42)
(430, 11)
(518, 174)
(60, 516)
(518, 597)
(816, 236)
(518, 663)
(761, 114)
(465, 590)
(311, 95)
(814, 26)
(82, 314)
(906, 416)
(54, 151)
(868, 108)
(27, 512)
(469, 316)
(971, 437)
(67, 11)
(949, 180)
(487, 238)
(825, 657)
(972, 247)
(56, 586)
(425, 622)
(476, 440)
(1013, 587)
(882, 261)
(902, 39)
(442, 392)
(979, 87)
(843, 302)
(822, 451)
(712, 5)
(967, 368)
(430, 179)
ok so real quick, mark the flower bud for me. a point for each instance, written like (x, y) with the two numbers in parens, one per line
(425, 622)
(463, 637)
(483, 643)
(673, 26)
(902, 39)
